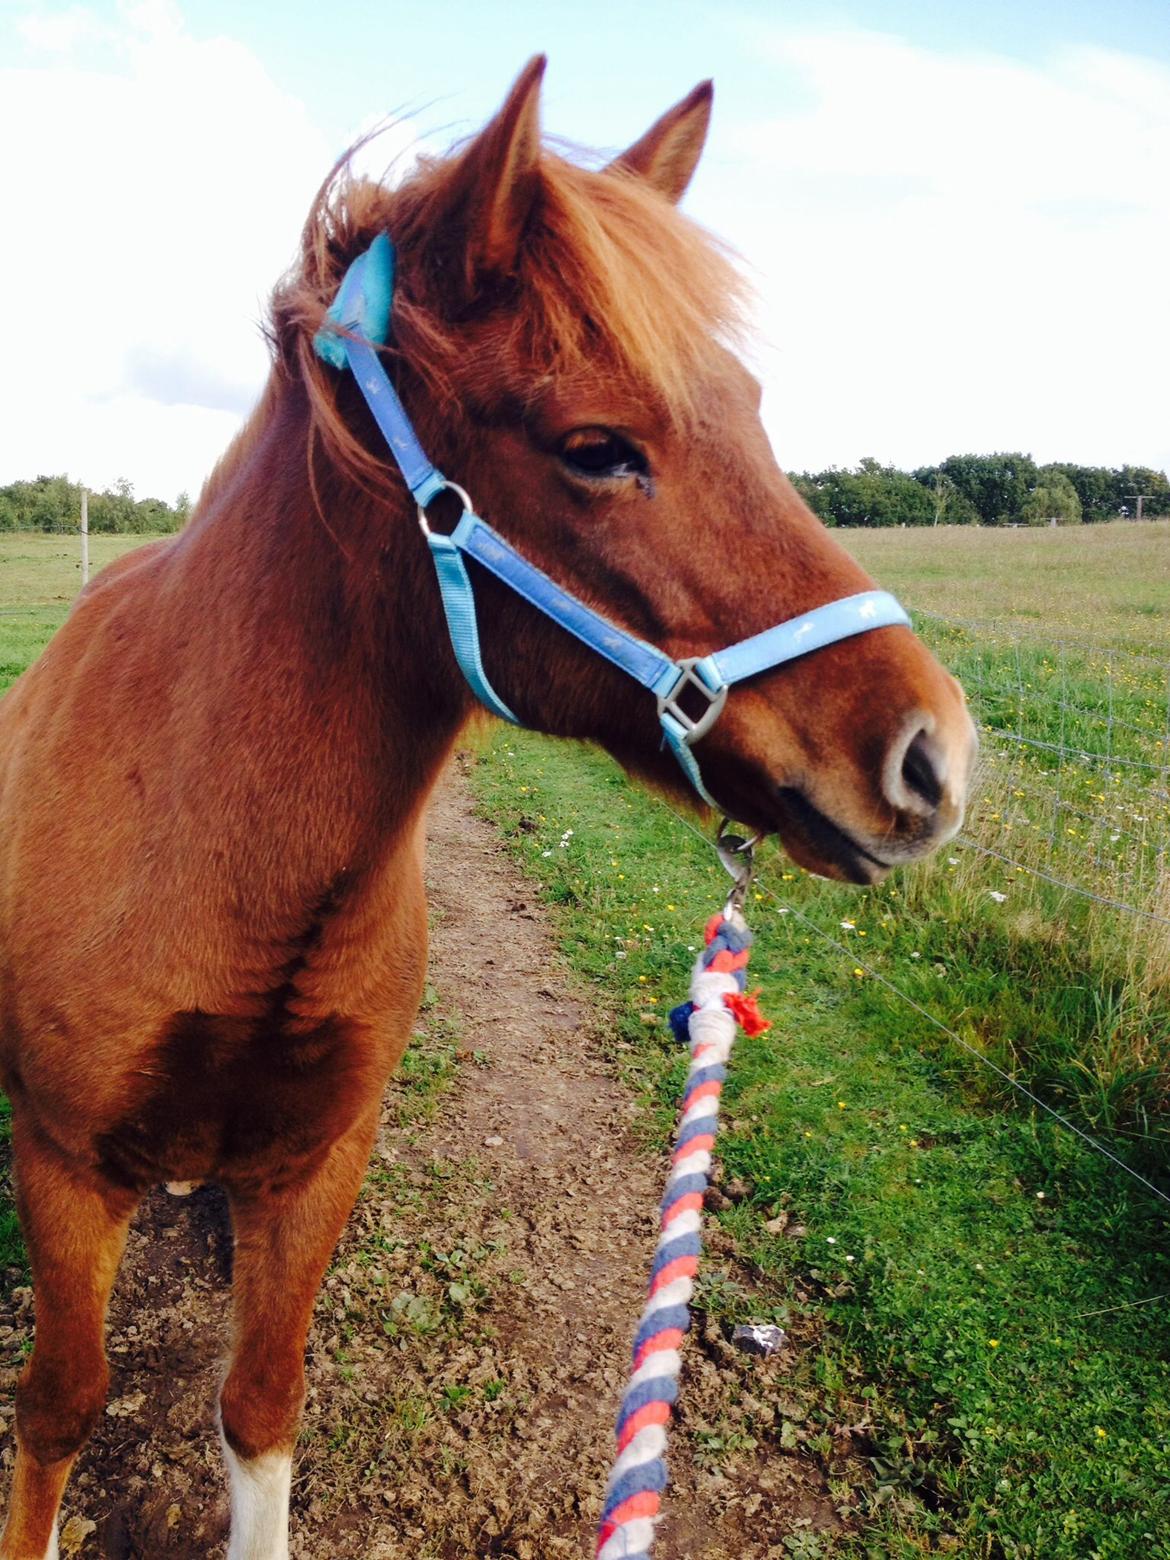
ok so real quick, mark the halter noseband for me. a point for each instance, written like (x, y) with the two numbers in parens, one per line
(359, 322)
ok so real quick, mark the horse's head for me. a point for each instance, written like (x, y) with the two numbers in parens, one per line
(562, 343)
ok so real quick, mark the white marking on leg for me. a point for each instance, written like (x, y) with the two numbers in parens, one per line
(260, 1491)
(52, 1553)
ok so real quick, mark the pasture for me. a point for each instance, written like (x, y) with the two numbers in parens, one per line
(39, 577)
(975, 1296)
(989, 1291)
(1109, 583)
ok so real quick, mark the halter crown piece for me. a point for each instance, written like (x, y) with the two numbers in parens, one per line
(358, 322)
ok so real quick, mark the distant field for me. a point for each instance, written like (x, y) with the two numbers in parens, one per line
(46, 570)
(1104, 582)
(1101, 582)
(39, 577)
(1061, 638)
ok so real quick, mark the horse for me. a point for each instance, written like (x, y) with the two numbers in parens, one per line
(214, 781)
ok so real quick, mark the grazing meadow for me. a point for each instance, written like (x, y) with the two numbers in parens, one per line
(987, 1290)
(39, 577)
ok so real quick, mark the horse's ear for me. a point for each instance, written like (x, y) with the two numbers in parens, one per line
(668, 154)
(497, 180)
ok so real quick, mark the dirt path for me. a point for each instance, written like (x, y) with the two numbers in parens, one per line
(472, 1335)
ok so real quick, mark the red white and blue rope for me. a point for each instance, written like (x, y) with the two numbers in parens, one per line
(718, 1006)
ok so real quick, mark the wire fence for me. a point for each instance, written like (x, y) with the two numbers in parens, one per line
(1076, 759)
(1072, 804)
(851, 955)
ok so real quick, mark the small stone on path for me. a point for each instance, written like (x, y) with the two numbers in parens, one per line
(756, 1338)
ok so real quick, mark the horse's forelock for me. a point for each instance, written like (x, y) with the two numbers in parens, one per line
(611, 278)
(615, 276)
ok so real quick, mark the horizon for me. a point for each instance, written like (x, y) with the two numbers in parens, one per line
(111, 487)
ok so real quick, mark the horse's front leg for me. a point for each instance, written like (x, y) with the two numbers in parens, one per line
(283, 1244)
(74, 1226)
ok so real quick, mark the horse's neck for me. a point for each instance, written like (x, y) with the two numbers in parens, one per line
(330, 616)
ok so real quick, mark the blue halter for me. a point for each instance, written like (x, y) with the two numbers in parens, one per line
(359, 322)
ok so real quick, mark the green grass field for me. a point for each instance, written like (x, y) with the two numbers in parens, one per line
(39, 577)
(980, 1270)
(993, 1290)
(989, 1291)
(1106, 583)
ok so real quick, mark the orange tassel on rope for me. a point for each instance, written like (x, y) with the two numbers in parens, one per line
(746, 1008)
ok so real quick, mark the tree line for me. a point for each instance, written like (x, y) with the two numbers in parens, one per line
(1001, 489)
(54, 504)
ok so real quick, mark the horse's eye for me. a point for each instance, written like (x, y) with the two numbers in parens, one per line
(598, 452)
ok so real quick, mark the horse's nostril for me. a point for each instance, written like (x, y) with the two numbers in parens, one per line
(922, 770)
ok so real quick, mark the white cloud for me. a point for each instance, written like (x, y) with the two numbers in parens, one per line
(956, 251)
(960, 252)
(59, 31)
(153, 203)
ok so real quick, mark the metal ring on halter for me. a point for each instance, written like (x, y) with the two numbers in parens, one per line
(736, 854)
(448, 487)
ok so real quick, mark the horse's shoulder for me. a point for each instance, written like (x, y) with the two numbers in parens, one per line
(116, 573)
(123, 588)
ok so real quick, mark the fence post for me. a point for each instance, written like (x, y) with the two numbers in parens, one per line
(84, 537)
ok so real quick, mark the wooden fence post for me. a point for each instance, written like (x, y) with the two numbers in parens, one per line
(84, 537)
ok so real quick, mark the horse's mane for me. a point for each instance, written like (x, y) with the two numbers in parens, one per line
(610, 274)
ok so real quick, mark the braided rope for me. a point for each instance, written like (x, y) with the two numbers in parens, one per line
(717, 1007)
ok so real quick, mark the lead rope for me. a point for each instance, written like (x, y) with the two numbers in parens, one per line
(719, 1005)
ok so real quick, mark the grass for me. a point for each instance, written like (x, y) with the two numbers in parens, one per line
(1076, 787)
(39, 577)
(1098, 582)
(993, 1289)
(428, 1068)
(1062, 640)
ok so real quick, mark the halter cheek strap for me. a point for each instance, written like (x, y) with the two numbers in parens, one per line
(357, 323)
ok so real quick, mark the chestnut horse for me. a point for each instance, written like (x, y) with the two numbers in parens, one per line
(213, 784)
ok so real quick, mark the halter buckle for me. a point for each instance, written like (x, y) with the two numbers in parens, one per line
(690, 728)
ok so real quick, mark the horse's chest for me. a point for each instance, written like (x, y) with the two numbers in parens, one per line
(231, 1098)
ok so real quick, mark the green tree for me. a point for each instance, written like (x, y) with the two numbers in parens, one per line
(1131, 480)
(53, 503)
(1053, 498)
(873, 494)
(996, 486)
(1094, 487)
(949, 505)
(47, 503)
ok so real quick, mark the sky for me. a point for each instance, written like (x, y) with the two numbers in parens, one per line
(955, 218)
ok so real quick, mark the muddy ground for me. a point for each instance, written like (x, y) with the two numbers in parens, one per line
(471, 1339)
